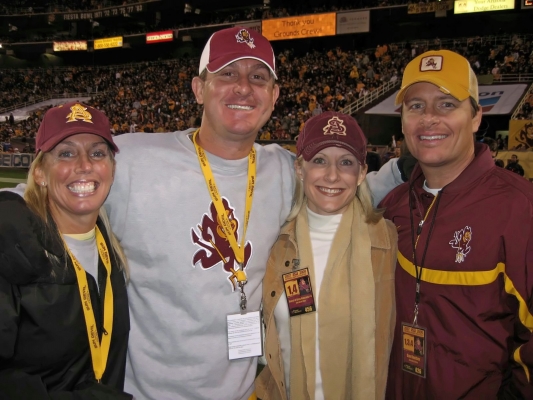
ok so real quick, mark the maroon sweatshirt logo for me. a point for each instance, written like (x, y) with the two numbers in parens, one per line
(213, 243)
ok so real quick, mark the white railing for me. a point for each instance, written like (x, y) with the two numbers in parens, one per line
(369, 98)
(40, 99)
(514, 78)
(374, 95)
(450, 43)
(520, 105)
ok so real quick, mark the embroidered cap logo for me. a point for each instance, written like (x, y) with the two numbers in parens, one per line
(78, 112)
(244, 37)
(335, 126)
(431, 63)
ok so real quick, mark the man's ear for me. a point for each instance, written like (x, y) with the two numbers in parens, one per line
(476, 121)
(198, 89)
(275, 95)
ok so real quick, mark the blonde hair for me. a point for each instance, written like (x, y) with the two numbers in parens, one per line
(363, 194)
(36, 197)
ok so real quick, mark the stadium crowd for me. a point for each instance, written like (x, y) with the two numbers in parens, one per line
(157, 97)
(32, 6)
(191, 17)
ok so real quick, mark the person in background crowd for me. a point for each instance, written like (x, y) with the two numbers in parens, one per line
(493, 146)
(514, 166)
(204, 262)
(373, 160)
(463, 280)
(337, 240)
(64, 321)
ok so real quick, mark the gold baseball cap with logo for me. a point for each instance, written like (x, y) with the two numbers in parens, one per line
(450, 71)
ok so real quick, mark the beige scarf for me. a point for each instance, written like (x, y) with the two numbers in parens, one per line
(346, 315)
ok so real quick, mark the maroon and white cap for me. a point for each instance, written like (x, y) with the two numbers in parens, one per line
(331, 129)
(237, 43)
(70, 119)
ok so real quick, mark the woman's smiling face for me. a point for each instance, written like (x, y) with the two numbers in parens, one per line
(330, 179)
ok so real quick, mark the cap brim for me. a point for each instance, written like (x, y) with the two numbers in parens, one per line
(309, 151)
(50, 144)
(456, 91)
(227, 59)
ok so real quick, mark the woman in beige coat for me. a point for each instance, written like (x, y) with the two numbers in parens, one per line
(332, 342)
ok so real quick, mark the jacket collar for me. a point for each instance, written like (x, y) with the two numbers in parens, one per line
(480, 165)
(379, 237)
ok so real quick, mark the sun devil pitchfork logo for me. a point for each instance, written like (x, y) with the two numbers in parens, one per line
(461, 242)
(214, 245)
(244, 37)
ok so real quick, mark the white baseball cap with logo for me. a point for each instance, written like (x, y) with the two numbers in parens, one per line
(237, 43)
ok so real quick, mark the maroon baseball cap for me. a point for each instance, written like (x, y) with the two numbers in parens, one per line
(331, 129)
(232, 44)
(70, 119)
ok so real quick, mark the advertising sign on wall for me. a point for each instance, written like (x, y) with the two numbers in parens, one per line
(72, 45)
(158, 37)
(353, 22)
(108, 43)
(300, 27)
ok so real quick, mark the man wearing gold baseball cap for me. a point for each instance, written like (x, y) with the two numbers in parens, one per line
(465, 245)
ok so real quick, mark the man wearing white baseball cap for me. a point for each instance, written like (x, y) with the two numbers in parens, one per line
(197, 212)
(465, 249)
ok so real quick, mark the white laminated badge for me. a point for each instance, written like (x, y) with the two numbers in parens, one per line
(244, 335)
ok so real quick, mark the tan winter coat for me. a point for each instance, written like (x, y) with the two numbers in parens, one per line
(354, 365)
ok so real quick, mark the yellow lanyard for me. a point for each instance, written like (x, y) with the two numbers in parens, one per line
(99, 350)
(228, 228)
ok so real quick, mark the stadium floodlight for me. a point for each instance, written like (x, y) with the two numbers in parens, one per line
(187, 9)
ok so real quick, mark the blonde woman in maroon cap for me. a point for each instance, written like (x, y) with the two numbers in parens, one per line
(333, 341)
(64, 321)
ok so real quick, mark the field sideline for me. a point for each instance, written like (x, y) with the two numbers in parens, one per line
(10, 177)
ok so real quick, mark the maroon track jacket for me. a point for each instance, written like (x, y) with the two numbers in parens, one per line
(476, 287)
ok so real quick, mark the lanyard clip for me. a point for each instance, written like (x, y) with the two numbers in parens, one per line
(420, 225)
(244, 301)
